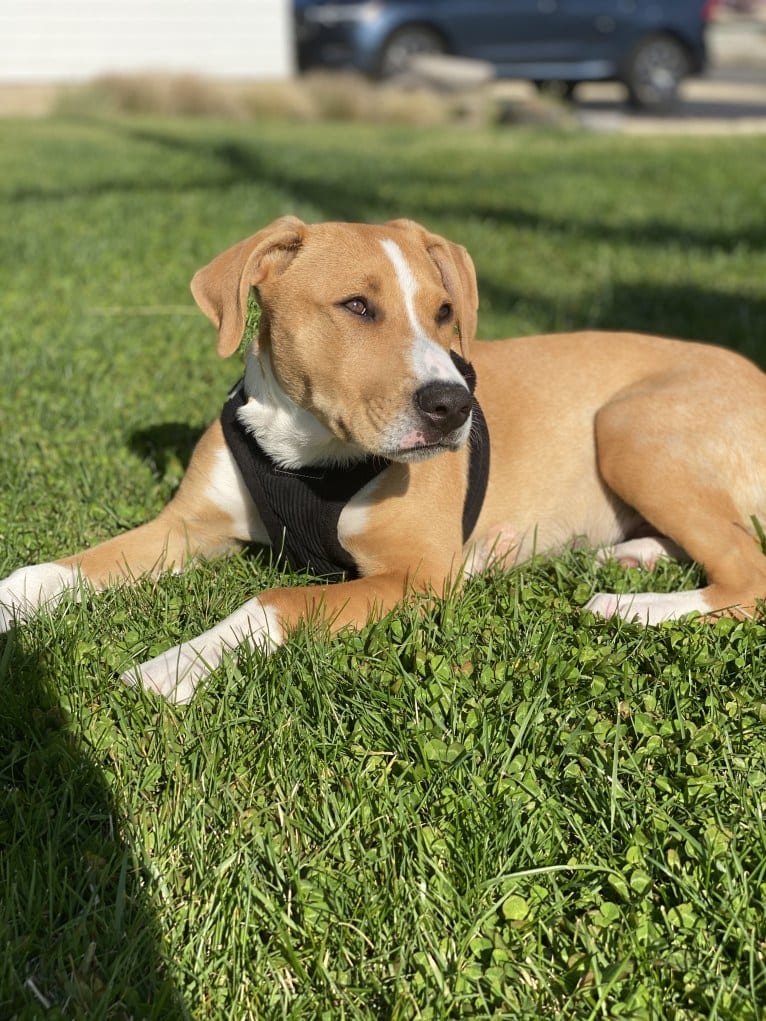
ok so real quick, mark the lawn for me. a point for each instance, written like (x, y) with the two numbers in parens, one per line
(497, 807)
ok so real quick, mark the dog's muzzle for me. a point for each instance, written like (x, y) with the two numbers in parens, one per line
(444, 406)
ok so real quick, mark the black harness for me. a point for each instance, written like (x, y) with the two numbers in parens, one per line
(300, 508)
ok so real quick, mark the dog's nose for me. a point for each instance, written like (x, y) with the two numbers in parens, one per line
(445, 405)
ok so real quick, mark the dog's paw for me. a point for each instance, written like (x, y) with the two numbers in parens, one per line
(648, 607)
(29, 589)
(175, 674)
(643, 552)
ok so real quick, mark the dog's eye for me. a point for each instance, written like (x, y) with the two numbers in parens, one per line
(358, 306)
(445, 313)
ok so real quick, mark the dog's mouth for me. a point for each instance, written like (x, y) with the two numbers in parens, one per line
(422, 452)
(418, 445)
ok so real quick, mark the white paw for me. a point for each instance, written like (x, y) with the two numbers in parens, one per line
(176, 673)
(644, 552)
(29, 589)
(648, 607)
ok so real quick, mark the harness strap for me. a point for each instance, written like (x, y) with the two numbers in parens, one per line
(479, 448)
(300, 508)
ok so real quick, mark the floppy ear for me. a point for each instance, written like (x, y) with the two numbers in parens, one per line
(222, 287)
(459, 276)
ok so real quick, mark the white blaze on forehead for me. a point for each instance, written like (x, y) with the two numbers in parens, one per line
(406, 279)
(430, 361)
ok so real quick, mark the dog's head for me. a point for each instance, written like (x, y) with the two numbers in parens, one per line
(357, 324)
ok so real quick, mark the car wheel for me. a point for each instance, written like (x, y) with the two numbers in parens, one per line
(405, 43)
(655, 71)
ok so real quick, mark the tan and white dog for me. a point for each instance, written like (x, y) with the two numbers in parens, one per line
(596, 438)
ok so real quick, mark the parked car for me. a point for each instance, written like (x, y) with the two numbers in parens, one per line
(650, 45)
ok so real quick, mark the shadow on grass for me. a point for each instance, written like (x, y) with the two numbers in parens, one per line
(77, 928)
(442, 191)
(686, 311)
(160, 445)
(690, 312)
(243, 163)
(677, 309)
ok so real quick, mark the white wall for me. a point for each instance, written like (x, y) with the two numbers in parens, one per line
(72, 40)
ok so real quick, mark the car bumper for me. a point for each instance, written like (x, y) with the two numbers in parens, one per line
(339, 46)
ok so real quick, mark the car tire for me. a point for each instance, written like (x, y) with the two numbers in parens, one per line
(405, 43)
(654, 73)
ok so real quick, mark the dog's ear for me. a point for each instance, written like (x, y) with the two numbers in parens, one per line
(459, 276)
(222, 287)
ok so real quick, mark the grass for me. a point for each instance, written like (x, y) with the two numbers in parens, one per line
(498, 807)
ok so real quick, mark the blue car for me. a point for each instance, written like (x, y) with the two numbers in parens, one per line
(650, 45)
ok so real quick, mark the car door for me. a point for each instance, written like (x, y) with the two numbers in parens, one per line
(587, 30)
(518, 32)
(495, 30)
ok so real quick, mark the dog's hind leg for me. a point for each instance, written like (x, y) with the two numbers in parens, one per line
(645, 551)
(688, 484)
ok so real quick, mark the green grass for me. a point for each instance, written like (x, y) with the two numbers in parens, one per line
(499, 807)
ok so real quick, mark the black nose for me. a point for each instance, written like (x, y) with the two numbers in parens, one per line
(446, 406)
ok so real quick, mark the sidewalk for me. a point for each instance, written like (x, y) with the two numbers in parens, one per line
(739, 40)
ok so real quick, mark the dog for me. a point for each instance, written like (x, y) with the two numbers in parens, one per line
(418, 454)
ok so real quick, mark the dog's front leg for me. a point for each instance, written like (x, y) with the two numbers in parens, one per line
(211, 514)
(264, 623)
(165, 544)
